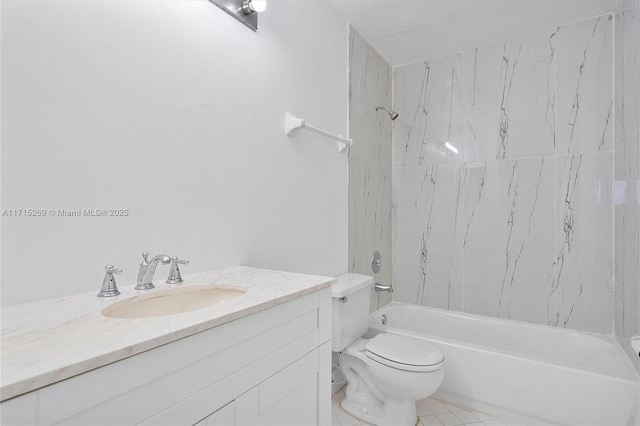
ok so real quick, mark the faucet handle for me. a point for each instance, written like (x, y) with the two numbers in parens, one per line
(109, 287)
(110, 269)
(174, 273)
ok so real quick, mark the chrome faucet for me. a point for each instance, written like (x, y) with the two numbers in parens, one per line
(148, 268)
(143, 266)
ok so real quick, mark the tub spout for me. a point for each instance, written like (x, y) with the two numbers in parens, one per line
(383, 287)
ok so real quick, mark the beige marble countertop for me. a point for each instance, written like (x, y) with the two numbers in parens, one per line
(48, 341)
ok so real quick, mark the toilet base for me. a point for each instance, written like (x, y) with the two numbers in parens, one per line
(395, 412)
(380, 394)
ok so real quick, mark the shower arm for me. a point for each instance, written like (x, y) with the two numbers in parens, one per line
(392, 114)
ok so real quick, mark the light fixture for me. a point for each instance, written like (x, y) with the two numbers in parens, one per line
(245, 11)
(253, 6)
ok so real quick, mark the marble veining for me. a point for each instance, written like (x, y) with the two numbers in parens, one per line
(422, 108)
(432, 113)
(584, 91)
(370, 216)
(431, 207)
(515, 247)
(583, 288)
(559, 284)
(474, 191)
(493, 102)
(502, 179)
(51, 340)
(506, 81)
(369, 163)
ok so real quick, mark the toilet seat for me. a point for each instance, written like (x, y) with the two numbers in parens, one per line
(404, 353)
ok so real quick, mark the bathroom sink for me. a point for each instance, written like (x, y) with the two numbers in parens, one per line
(172, 301)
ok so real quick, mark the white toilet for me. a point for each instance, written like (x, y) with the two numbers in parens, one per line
(387, 373)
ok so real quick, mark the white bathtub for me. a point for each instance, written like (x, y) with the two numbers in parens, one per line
(524, 372)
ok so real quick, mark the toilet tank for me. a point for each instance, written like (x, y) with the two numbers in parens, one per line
(350, 303)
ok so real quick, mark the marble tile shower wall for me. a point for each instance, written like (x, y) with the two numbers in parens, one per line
(626, 173)
(369, 163)
(502, 179)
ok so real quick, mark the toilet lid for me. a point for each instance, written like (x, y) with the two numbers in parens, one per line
(404, 352)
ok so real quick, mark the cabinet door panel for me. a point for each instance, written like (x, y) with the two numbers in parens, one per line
(281, 385)
(298, 407)
(289, 397)
(218, 394)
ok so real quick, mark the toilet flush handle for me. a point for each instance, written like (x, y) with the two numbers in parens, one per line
(343, 300)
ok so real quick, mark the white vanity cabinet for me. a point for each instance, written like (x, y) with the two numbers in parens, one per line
(271, 367)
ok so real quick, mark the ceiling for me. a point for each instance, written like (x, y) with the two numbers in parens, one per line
(407, 31)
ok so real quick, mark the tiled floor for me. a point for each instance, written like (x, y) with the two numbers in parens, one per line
(431, 412)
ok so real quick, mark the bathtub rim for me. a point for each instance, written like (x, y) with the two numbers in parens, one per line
(625, 372)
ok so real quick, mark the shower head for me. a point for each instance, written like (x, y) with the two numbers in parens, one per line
(392, 114)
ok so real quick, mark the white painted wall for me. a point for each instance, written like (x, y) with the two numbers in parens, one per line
(174, 111)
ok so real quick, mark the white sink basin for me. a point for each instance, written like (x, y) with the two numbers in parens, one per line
(172, 301)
